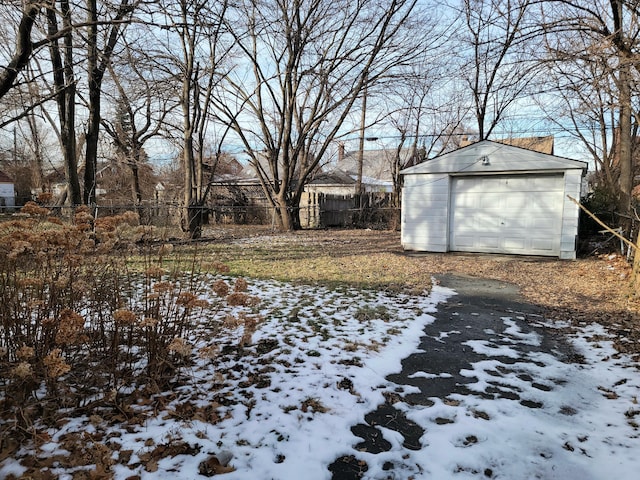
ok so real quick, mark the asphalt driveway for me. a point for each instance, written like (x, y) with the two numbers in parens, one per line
(486, 324)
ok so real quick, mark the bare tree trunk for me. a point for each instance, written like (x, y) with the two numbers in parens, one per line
(284, 213)
(23, 47)
(97, 63)
(191, 218)
(625, 181)
(135, 181)
(38, 169)
(65, 85)
(363, 124)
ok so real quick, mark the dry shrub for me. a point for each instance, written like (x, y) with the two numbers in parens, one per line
(218, 267)
(220, 288)
(44, 198)
(119, 230)
(83, 218)
(237, 299)
(249, 323)
(240, 285)
(124, 317)
(55, 364)
(22, 370)
(250, 327)
(209, 352)
(70, 328)
(164, 287)
(231, 321)
(111, 223)
(32, 209)
(25, 353)
(165, 249)
(76, 321)
(155, 271)
(181, 347)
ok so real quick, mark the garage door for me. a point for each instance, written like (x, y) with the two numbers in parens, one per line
(515, 214)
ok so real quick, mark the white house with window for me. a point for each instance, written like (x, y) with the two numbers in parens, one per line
(7, 192)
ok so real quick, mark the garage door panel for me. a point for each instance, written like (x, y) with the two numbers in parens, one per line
(547, 183)
(515, 223)
(486, 225)
(542, 245)
(540, 223)
(515, 184)
(507, 214)
(488, 200)
(465, 241)
(546, 199)
(482, 241)
(514, 243)
(518, 202)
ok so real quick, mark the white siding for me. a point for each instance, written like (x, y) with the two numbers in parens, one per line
(570, 214)
(7, 195)
(425, 219)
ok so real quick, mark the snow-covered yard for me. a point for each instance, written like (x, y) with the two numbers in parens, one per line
(282, 407)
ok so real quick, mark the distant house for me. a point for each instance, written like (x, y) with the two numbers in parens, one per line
(238, 197)
(7, 191)
(377, 167)
(537, 144)
(330, 197)
(335, 182)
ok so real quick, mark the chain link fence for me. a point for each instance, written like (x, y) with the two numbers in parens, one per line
(320, 211)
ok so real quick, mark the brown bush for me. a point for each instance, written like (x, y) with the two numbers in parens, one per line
(51, 271)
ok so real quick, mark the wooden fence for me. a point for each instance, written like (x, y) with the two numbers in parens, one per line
(319, 210)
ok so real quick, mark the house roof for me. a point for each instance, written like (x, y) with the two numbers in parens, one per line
(334, 177)
(494, 157)
(230, 179)
(537, 144)
(4, 178)
(375, 163)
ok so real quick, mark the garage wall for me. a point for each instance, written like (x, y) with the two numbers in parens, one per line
(525, 213)
(425, 206)
(570, 214)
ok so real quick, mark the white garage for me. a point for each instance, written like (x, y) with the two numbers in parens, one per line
(493, 198)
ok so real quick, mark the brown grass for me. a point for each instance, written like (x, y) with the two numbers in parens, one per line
(593, 289)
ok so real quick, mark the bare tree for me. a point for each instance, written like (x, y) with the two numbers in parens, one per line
(424, 108)
(63, 29)
(307, 63)
(64, 80)
(496, 64)
(23, 46)
(98, 60)
(194, 45)
(578, 102)
(144, 97)
(602, 38)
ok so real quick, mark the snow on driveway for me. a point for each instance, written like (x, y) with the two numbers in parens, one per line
(287, 406)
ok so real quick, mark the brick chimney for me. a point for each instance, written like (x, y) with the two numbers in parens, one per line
(340, 152)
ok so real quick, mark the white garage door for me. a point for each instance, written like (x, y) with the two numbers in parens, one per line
(516, 214)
